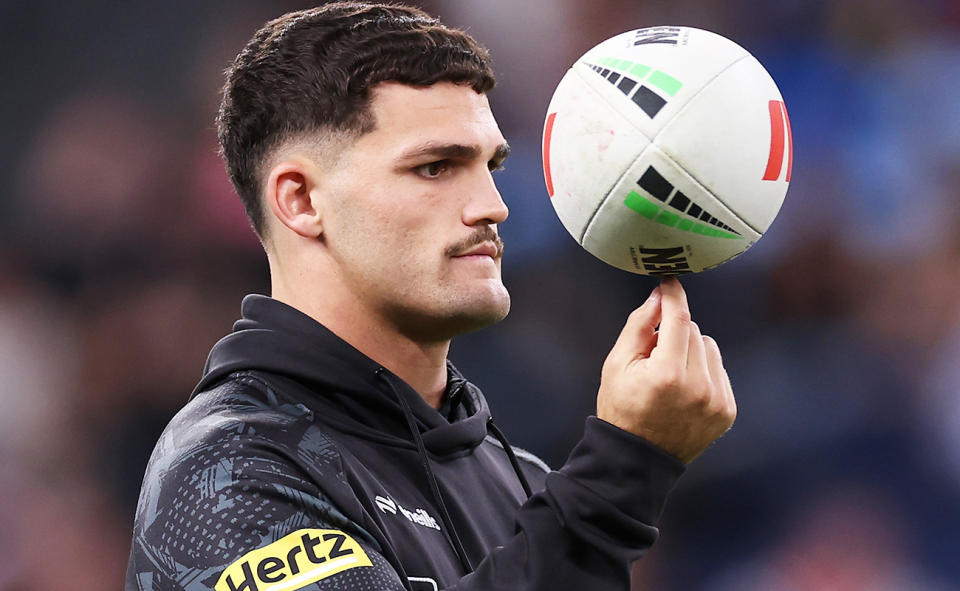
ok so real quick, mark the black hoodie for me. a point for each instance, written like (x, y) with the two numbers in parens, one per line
(300, 463)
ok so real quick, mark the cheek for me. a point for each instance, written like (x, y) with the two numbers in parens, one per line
(355, 223)
(385, 247)
(392, 233)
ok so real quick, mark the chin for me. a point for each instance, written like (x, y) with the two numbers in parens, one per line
(465, 314)
(476, 311)
(482, 316)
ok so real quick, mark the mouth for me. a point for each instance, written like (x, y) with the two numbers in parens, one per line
(484, 249)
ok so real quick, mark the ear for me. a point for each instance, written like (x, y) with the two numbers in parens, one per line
(292, 196)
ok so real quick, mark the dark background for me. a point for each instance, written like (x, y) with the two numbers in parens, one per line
(124, 255)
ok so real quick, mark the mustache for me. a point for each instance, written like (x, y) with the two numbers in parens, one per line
(485, 234)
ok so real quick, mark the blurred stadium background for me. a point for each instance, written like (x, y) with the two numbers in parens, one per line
(124, 255)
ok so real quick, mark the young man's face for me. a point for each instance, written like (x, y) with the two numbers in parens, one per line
(411, 201)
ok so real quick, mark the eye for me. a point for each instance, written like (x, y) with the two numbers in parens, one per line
(433, 170)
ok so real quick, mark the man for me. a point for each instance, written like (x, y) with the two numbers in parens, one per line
(329, 444)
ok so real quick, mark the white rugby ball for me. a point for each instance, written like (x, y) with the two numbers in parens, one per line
(667, 150)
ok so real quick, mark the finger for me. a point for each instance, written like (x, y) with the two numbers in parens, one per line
(674, 339)
(639, 334)
(697, 354)
(718, 375)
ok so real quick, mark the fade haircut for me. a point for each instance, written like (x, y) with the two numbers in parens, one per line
(311, 71)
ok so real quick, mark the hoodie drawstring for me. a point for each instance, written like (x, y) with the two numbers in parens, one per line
(451, 532)
(492, 428)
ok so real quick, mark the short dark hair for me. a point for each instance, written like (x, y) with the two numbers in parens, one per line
(312, 71)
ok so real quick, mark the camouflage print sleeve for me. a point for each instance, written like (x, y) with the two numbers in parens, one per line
(232, 512)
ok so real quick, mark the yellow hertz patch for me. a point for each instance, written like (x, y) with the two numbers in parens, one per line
(293, 561)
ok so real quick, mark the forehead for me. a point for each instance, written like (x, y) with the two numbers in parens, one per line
(444, 113)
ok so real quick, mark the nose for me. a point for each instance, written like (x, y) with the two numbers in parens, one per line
(484, 205)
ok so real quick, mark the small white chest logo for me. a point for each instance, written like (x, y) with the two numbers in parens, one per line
(418, 516)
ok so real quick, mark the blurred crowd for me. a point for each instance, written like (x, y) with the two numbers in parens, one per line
(124, 254)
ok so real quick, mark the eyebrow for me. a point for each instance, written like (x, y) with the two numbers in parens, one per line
(453, 151)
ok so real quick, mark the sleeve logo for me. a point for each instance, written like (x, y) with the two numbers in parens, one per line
(298, 559)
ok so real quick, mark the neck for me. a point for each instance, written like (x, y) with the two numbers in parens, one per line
(422, 365)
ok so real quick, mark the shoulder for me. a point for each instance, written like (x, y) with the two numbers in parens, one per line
(236, 469)
(240, 416)
(237, 439)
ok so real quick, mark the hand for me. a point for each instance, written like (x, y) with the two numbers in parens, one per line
(668, 387)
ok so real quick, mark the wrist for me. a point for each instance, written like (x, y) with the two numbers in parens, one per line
(625, 469)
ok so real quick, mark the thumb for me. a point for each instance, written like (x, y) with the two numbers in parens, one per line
(639, 334)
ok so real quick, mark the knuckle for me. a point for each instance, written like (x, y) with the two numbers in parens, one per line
(714, 400)
(682, 315)
(670, 379)
(723, 407)
(731, 411)
(725, 417)
(638, 315)
(701, 397)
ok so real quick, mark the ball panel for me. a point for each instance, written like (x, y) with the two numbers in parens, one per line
(658, 220)
(667, 150)
(743, 155)
(648, 82)
(590, 146)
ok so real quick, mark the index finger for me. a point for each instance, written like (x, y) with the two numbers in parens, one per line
(674, 336)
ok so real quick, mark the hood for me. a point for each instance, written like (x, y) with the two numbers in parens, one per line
(346, 389)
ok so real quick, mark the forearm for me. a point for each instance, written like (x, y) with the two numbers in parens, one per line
(595, 517)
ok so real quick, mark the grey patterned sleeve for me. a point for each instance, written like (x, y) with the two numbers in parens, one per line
(223, 508)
